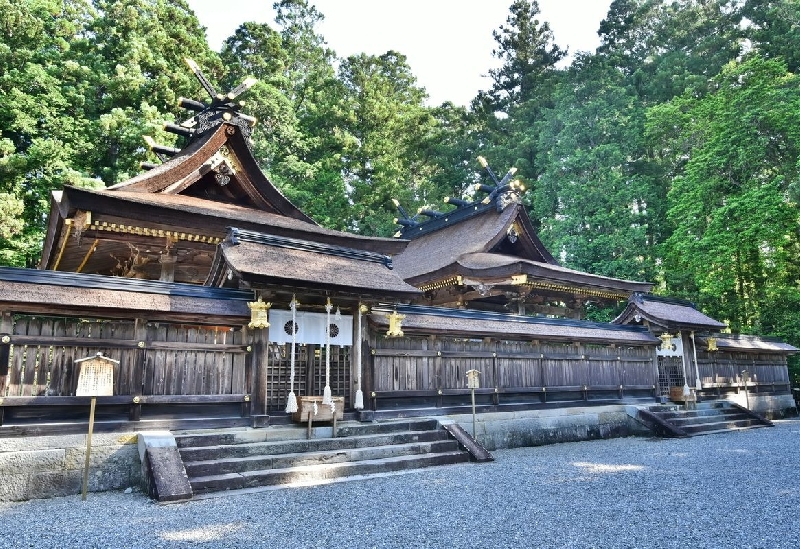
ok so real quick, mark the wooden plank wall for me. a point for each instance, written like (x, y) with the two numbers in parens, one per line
(440, 363)
(722, 369)
(156, 358)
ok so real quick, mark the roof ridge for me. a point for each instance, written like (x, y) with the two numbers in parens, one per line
(236, 235)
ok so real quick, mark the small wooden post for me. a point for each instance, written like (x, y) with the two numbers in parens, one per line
(96, 377)
(473, 382)
(88, 450)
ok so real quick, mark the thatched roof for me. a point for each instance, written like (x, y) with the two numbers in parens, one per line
(191, 164)
(745, 343)
(480, 232)
(433, 320)
(33, 290)
(293, 263)
(668, 313)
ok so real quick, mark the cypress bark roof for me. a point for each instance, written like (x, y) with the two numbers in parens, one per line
(667, 313)
(479, 264)
(293, 263)
(23, 289)
(480, 232)
(744, 343)
(429, 320)
(484, 243)
(171, 218)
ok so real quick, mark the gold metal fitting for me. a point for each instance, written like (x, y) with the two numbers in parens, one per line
(6, 339)
(249, 348)
(136, 400)
(140, 344)
(247, 398)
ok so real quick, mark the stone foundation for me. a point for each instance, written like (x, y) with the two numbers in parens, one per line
(538, 427)
(769, 406)
(50, 466)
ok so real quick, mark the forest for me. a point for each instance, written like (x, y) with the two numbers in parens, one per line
(670, 154)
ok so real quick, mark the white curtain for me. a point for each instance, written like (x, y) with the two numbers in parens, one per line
(310, 328)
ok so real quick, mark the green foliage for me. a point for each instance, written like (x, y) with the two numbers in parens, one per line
(594, 208)
(736, 235)
(386, 123)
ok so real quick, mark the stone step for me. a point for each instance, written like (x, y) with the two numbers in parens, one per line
(727, 430)
(708, 412)
(322, 472)
(241, 450)
(699, 420)
(298, 432)
(283, 461)
(720, 426)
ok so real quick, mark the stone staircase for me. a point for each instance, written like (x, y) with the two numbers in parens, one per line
(707, 418)
(248, 460)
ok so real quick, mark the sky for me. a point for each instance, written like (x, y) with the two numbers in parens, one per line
(448, 43)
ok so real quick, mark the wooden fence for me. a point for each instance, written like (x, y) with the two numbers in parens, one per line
(432, 369)
(159, 362)
(721, 371)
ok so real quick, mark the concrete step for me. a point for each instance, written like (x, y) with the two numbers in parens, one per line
(283, 461)
(322, 472)
(707, 417)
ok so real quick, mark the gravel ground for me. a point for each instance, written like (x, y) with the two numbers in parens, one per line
(734, 490)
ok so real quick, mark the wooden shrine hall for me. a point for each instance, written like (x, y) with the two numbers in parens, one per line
(215, 293)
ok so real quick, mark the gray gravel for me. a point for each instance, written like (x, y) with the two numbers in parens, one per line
(734, 490)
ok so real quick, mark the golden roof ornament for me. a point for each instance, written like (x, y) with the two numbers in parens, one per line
(712, 344)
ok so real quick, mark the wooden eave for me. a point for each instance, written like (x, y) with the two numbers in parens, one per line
(470, 323)
(49, 292)
(515, 273)
(749, 344)
(212, 219)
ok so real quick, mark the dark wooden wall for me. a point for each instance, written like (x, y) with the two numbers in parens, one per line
(155, 358)
(722, 370)
(418, 366)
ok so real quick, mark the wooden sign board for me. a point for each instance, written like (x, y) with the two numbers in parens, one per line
(96, 377)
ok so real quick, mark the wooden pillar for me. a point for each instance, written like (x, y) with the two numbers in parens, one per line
(258, 374)
(249, 372)
(139, 367)
(6, 329)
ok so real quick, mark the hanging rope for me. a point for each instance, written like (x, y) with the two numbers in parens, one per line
(326, 393)
(359, 404)
(291, 400)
